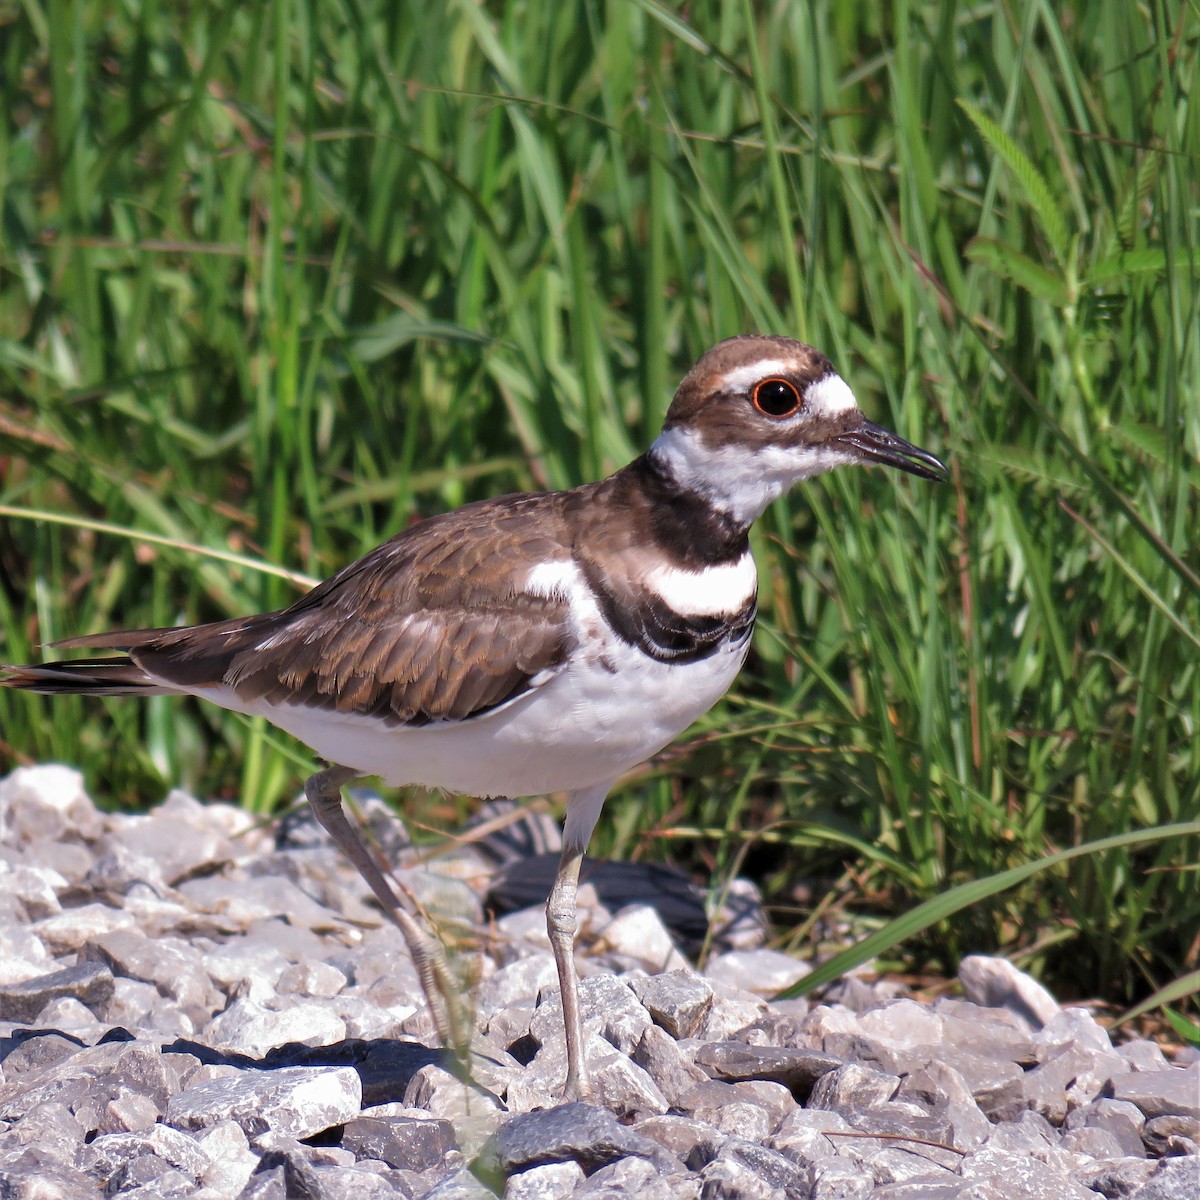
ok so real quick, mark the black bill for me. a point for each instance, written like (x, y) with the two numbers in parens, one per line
(873, 443)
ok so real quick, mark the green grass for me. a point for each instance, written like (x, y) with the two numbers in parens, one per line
(277, 279)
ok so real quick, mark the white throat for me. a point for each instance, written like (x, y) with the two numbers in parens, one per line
(738, 479)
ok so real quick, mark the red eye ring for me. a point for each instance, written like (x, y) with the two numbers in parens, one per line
(776, 397)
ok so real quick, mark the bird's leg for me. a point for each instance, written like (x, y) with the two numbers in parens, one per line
(324, 792)
(560, 925)
(583, 810)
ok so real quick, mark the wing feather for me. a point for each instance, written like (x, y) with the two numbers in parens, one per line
(436, 624)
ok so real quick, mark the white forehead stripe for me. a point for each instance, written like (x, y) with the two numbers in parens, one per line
(829, 396)
(737, 378)
(727, 588)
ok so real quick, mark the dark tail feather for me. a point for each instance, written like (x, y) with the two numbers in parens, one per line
(115, 676)
(116, 639)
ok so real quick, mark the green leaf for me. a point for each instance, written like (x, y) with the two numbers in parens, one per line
(1010, 263)
(1129, 214)
(1177, 989)
(1130, 264)
(939, 908)
(387, 336)
(1161, 602)
(1032, 181)
(1187, 1030)
(1150, 440)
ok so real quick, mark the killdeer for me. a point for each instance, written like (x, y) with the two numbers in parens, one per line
(531, 643)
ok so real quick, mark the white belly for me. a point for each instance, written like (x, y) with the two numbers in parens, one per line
(583, 728)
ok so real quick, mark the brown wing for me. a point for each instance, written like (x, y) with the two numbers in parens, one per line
(434, 624)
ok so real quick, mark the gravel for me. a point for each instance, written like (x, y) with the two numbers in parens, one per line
(191, 1006)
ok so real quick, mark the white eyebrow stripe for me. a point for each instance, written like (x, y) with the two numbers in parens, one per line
(737, 378)
(830, 396)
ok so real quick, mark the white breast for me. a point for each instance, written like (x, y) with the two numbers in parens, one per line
(712, 591)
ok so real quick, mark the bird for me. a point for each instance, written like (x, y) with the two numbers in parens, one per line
(531, 643)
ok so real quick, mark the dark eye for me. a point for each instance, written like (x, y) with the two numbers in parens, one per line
(776, 397)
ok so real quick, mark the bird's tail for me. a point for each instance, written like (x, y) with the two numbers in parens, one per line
(116, 676)
(150, 662)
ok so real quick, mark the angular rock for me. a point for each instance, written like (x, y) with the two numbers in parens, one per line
(676, 1000)
(23, 955)
(1076, 1075)
(1174, 1135)
(411, 1143)
(691, 1142)
(798, 1070)
(248, 1027)
(998, 1087)
(634, 1177)
(944, 1094)
(70, 1016)
(251, 967)
(902, 1032)
(731, 1179)
(608, 1007)
(1142, 1055)
(624, 1088)
(776, 1028)
(761, 971)
(251, 900)
(662, 1058)
(637, 935)
(851, 1087)
(1113, 1176)
(178, 836)
(35, 888)
(45, 803)
(1121, 1120)
(460, 1185)
(1075, 1027)
(578, 1132)
(265, 1185)
(317, 979)
(30, 1054)
(809, 1136)
(294, 1101)
(471, 1110)
(51, 1130)
(996, 983)
(129, 1112)
(732, 1010)
(66, 932)
(1027, 1179)
(521, 980)
(89, 983)
(174, 966)
(149, 1178)
(1173, 1179)
(230, 1159)
(834, 1179)
(735, 1115)
(283, 942)
(992, 1033)
(322, 1172)
(1169, 1093)
(549, 1181)
(385, 1068)
(110, 1153)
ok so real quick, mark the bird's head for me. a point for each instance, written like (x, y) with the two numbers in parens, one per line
(758, 414)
